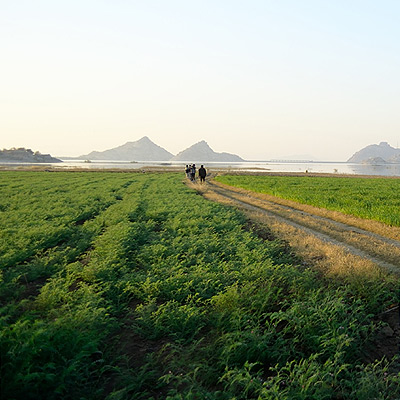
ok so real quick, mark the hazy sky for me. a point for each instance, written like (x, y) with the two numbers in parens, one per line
(259, 78)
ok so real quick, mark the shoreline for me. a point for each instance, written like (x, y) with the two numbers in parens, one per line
(212, 172)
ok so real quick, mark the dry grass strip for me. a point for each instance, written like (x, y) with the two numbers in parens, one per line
(326, 256)
(369, 236)
(368, 225)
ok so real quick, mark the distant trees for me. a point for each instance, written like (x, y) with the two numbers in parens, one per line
(25, 155)
(21, 149)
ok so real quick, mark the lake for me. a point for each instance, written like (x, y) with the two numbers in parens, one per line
(252, 166)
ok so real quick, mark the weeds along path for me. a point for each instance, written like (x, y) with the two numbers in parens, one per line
(291, 222)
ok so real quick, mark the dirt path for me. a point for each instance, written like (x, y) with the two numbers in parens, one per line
(332, 242)
(368, 240)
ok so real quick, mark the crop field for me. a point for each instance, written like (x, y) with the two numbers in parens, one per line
(371, 198)
(132, 286)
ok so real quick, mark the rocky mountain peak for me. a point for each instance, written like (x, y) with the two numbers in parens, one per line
(141, 150)
(146, 150)
(202, 152)
(144, 139)
(201, 145)
(383, 151)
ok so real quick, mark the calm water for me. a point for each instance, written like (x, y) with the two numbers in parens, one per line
(254, 166)
(317, 167)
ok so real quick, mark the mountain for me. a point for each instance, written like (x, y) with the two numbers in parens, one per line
(141, 150)
(145, 150)
(26, 156)
(375, 161)
(202, 152)
(376, 151)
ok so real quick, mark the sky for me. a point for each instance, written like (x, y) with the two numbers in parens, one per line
(263, 79)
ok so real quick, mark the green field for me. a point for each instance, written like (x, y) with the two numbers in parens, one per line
(372, 198)
(132, 286)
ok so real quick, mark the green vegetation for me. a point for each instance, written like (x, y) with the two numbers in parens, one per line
(132, 286)
(374, 198)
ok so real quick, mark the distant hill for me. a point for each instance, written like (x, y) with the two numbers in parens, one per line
(145, 150)
(370, 154)
(375, 161)
(141, 150)
(202, 152)
(25, 156)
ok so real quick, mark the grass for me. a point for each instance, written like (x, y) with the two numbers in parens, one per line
(329, 258)
(373, 198)
(133, 286)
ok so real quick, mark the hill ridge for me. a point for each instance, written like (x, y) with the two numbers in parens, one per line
(201, 151)
(145, 149)
(374, 153)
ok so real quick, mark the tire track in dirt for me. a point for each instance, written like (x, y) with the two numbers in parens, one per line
(381, 250)
(334, 247)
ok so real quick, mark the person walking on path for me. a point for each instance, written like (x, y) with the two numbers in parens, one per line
(202, 174)
(193, 173)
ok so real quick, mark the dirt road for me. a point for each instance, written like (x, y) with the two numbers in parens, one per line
(334, 234)
(331, 242)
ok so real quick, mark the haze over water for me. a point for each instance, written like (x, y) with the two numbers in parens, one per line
(258, 166)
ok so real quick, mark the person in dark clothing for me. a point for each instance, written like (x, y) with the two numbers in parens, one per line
(193, 173)
(202, 174)
(187, 171)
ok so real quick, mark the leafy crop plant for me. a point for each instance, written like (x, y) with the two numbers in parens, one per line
(132, 286)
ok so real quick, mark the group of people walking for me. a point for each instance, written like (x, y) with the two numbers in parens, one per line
(190, 171)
